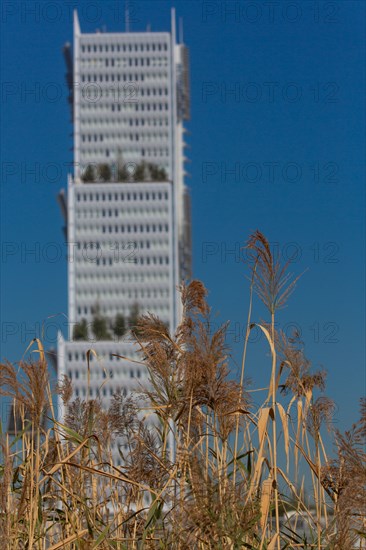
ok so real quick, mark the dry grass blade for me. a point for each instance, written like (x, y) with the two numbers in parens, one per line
(284, 420)
(262, 423)
(265, 501)
(273, 542)
(72, 538)
(108, 475)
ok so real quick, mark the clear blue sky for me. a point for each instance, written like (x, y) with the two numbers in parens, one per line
(278, 94)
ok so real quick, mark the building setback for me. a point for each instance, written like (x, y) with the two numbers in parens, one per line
(127, 208)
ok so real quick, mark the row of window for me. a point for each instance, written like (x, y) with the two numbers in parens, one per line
(83, 214)
(110, 293)
(127, 95)
(122, 122)
(131, 77)
(98, 392)
(83, 211)
(96, 277)
(124, 106)
(162, 311)
(103, 105)
(88, 48)
(160, 228)
(76, 356)
(121, 249)
(146, 153)
(88, 230)
(121, 196)
(150, 107)
(130, 89)
(161, 260)
(141, 228)
(95, 374)
(75, 374)
(89, 138)
(126, 62)
(151, 136)
(120, 104)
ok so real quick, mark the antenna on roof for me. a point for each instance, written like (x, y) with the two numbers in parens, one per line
(173, 25)
(127, 16)
(180, 30)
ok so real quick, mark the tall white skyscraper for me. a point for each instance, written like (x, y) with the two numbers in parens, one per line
(127, 208)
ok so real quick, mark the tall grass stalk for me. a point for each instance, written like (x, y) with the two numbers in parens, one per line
(234, 478)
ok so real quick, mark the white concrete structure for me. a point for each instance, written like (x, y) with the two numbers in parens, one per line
(129, 238)
(120, 249)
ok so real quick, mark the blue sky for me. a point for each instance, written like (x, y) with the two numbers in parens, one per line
(277, 142)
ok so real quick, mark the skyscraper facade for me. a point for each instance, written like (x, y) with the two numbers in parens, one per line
(127, 207)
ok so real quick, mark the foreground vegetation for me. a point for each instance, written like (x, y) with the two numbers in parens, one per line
(239, 475)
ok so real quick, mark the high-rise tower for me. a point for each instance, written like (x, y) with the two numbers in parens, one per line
(127, 207)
